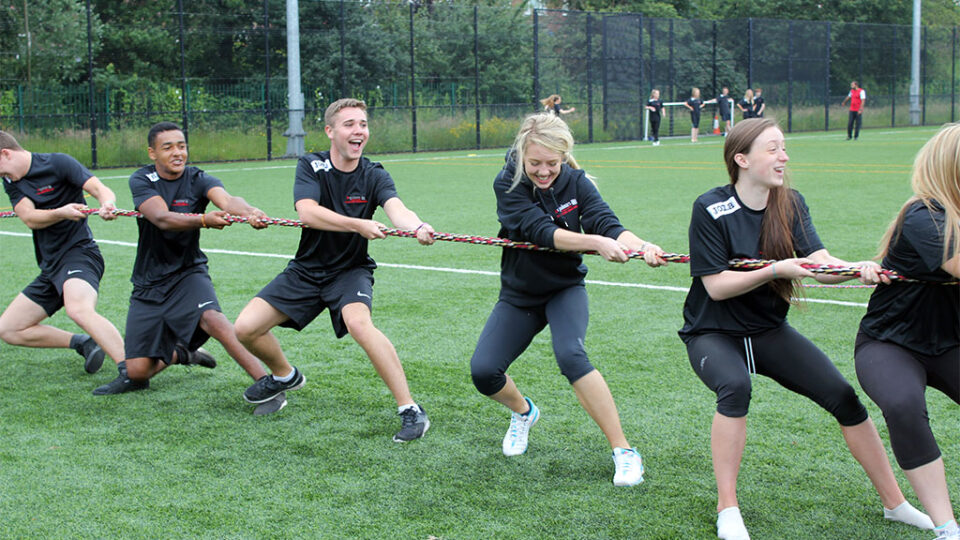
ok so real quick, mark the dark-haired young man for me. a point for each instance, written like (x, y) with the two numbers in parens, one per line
(173, 307)
(857, 97)
(46, 192)
(336, 194)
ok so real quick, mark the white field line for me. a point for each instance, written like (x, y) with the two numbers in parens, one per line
(445, 270)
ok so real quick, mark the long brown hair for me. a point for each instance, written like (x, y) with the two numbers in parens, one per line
(936, 177)
(776, 238)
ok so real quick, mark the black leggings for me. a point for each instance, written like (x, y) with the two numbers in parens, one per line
(855, 119)
(896, 379)
(510, 329)
(655, 127)
(724, 362)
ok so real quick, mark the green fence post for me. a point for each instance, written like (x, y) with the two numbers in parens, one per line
(20, 106)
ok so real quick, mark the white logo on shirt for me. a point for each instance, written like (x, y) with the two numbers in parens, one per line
(71, 272)
(317, 165)
(153, 177)
(361, 294)
(199, 306)
(728, 206)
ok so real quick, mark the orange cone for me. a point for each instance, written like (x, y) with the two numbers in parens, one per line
(716, 125)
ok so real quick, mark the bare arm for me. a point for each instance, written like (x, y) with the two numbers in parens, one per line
(236, 206)
(652, 254)
(318, 217)
(36, 218)
(156, 211)
(104, 196)
(731, 283)
(404, 218)
(952, 266)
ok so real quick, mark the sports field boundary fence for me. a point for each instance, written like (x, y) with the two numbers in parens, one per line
(447, 77)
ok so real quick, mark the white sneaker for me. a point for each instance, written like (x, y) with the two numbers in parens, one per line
(629, 467)
(947, 531)
(730, 525)
(515, 441)
(656, 143)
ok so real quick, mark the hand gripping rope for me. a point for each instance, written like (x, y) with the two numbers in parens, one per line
(735, 264)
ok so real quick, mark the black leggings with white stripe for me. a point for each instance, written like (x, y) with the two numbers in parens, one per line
(896, 379)
(724, 363)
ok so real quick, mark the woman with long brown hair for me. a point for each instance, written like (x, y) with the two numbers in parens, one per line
(910, 336)
(735, 322)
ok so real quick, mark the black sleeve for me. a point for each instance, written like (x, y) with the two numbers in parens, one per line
(13, 191)
(708, 245)
(306, 184)
(384, 188)
(805, 237)
(142, 188)
(596, 217)
(70, 170)
(925, 232)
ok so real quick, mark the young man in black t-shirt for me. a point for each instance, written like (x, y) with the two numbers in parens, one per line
(336, 194)
(46, 192)
(173, 307)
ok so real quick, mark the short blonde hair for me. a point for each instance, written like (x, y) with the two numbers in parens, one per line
(547, 130)
(339, 105)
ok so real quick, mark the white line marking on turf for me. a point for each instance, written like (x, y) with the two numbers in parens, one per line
(446, 270)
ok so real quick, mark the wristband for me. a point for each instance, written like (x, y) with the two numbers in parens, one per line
(774, 268)
(203, 221)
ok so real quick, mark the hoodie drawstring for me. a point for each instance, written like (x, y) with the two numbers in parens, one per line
(748, 349)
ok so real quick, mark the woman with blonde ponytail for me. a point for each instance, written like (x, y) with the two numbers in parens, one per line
(543, 197)
(910, 337)
(735, 323)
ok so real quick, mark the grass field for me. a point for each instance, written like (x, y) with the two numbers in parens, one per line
(187, 459)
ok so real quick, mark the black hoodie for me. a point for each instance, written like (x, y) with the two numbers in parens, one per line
(530, 214)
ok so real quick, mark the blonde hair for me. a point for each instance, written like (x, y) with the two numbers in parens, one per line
(748, 95)
(935, 177)
(694, 92)
(657, 90)
(339, 105)
(548, 101)
(550, 132)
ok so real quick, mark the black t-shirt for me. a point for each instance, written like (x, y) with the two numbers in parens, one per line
(723, 228)
(164, 256)
(923, 317)
(657, 105)
(556, 109)
(757, 104)
(748, 108)
(723, 104)
(355, 194)
(53, 180)
(697, 104)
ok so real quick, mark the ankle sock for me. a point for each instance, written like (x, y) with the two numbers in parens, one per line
(77, 341)
(906, 513)
(288, 377)
(413, 406)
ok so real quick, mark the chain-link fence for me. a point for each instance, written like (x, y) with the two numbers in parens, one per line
(436, 77)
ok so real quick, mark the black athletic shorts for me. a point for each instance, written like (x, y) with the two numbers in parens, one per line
(695, 119)
(724, 116)
(161, 317)
(300, 296)
(84, 263)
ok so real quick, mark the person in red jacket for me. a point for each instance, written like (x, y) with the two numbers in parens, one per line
(857, 97)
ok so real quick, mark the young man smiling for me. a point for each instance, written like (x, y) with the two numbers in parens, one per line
(173, 307)
(335, 193)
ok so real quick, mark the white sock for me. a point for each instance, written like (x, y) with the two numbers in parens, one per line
(289, 376)
(402, 408)
(906, 513)
(730, 525)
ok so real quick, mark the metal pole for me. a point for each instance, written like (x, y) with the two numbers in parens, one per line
(476, 69)
(413, 83)
(603, 66)
(790, 77)
(536, 57)
(715, 88)
(750, 52)
(295, 135)
(893, 88)
(589, 80)
(184, 120)
(953, 75)
(266, 99)
(640, 93)
(915, 66)
(923, 80)
(343, 61)
(93, 101)
(826, 84)
(672, 71)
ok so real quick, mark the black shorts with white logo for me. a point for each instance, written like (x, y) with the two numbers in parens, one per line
(161, 317)
(300, 296)
(84, 263)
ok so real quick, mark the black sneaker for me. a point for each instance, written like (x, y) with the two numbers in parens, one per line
(415, 424)
(271, 406)
(121, 384)
(202, 358)
(92, 355)
(267, 388)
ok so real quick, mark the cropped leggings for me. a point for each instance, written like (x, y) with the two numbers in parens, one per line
(724, 363)
(896, 379)
(510, 329)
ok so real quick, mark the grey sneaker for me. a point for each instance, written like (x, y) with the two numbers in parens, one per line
(415, 424)
(267, 388)
(199, 357)
(272, 406)
(121, 384)
(92, 355)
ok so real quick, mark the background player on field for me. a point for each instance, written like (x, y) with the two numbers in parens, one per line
(544, 197)
(655, 106)
(173, 307)
(910, 336)
(759, 106)
(857, 97)
(46, 192)
(723, 108)
(336, 194)
(694, 103)
(735, 323)
(746, 104)
(552, 104)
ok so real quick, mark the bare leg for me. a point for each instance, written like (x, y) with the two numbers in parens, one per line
(143, 369)
(728, 437)
(80, 303)
(595, 396)
(20, 326)
(864, 443)
(253, 331)
(219, 328)
(381, 352)
(510, 396)
(930, 484)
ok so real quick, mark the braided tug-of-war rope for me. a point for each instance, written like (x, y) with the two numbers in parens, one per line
(735, 264)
